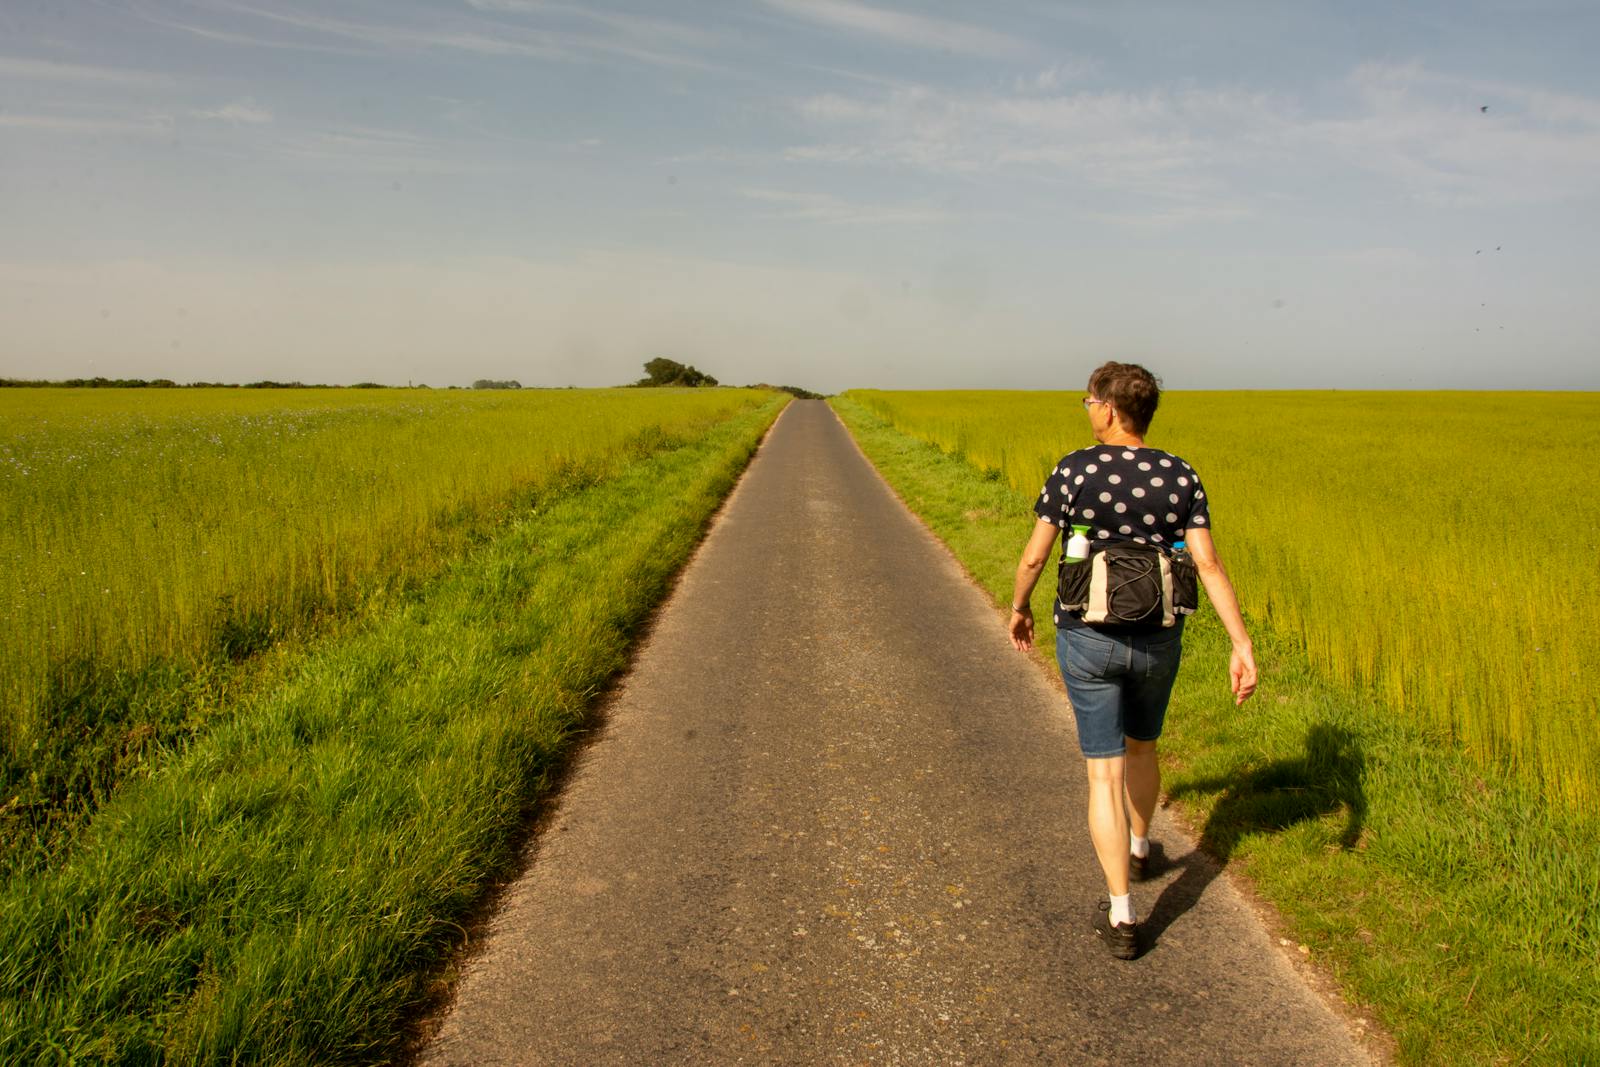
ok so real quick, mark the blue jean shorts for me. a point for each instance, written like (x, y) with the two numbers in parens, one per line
(1119, 684)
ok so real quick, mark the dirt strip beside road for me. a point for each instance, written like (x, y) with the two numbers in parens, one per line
(833, 817)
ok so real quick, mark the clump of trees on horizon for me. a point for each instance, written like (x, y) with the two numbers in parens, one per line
(491, 383)
(662, 372)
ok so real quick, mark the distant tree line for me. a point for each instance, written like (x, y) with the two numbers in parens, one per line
(794, 390)
(659, 372)
(168, 383)
(91, 383)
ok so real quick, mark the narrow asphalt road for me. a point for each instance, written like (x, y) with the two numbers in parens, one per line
(833, 817)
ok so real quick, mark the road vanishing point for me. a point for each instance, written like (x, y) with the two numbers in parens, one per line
(831, 816)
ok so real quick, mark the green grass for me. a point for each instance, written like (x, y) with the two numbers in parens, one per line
(1421, 544)
(283, 887)
(1461, 907)
(158, 542)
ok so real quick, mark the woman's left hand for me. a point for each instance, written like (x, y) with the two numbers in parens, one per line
(1022, 629)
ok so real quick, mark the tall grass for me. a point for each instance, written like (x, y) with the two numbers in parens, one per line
(144, 532)
(1438, 547)
(1458, 906)
(282, 889)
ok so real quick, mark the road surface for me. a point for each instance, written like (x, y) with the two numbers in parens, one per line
(833, 817)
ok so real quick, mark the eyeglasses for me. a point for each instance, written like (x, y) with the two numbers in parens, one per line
(1090, 400)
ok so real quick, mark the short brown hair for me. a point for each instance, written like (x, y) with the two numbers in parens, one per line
(1130, 389)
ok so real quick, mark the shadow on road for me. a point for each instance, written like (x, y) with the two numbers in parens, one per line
(1327, 779)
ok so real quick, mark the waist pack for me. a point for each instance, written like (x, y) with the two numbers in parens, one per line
(1130, 584)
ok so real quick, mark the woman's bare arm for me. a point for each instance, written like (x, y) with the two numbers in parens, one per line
(1034, 558)
(1242, 663)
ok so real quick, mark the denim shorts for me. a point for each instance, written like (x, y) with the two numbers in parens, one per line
(1118, 683)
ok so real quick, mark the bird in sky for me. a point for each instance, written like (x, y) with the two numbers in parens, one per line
(1484, 108)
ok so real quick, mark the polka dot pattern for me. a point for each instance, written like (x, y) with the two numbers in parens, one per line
(1154, 495)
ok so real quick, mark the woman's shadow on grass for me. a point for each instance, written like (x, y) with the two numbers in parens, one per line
(1327, 779)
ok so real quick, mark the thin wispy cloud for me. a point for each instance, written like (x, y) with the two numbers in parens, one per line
(1055, 76)
(219, 23)
(146, 126)
(1429, 132)
(1191, 153)
(372, 150)
(23, 69)
(476, 30)
(246, 112)
(826, 208)
(1165, 146)
(641, 28)
(903, 29)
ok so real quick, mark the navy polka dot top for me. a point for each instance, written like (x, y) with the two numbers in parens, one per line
(1143, 495)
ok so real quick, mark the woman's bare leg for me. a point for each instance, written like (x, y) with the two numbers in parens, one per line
(1143, 775)
(1108, 821)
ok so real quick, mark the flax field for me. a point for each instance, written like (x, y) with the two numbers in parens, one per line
(169, 527)
(1438, 549)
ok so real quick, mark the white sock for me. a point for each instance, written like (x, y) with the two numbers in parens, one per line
(1139, 846)
(1122, 910)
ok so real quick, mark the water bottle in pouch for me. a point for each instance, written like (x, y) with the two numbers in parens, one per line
(1078, 545)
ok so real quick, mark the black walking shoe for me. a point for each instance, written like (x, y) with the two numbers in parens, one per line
(1146, 867)
(1122, 939)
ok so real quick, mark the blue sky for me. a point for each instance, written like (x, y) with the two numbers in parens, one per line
(823, 192)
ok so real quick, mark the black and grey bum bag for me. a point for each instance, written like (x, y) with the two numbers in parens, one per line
(1130, 584)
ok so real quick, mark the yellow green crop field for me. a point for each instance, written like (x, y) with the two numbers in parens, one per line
(1439, 548)
(142, 527)
(287, 673)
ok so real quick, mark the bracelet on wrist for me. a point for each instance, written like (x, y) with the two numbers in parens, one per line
(1024, 610)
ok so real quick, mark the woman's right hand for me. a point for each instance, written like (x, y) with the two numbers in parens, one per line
(1022, 630)
(1242, 672)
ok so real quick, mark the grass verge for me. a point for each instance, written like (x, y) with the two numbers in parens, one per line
(165, 545)
(279, 890)
(1464, 912)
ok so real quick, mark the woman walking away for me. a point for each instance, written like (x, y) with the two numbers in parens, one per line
(1139, 522)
